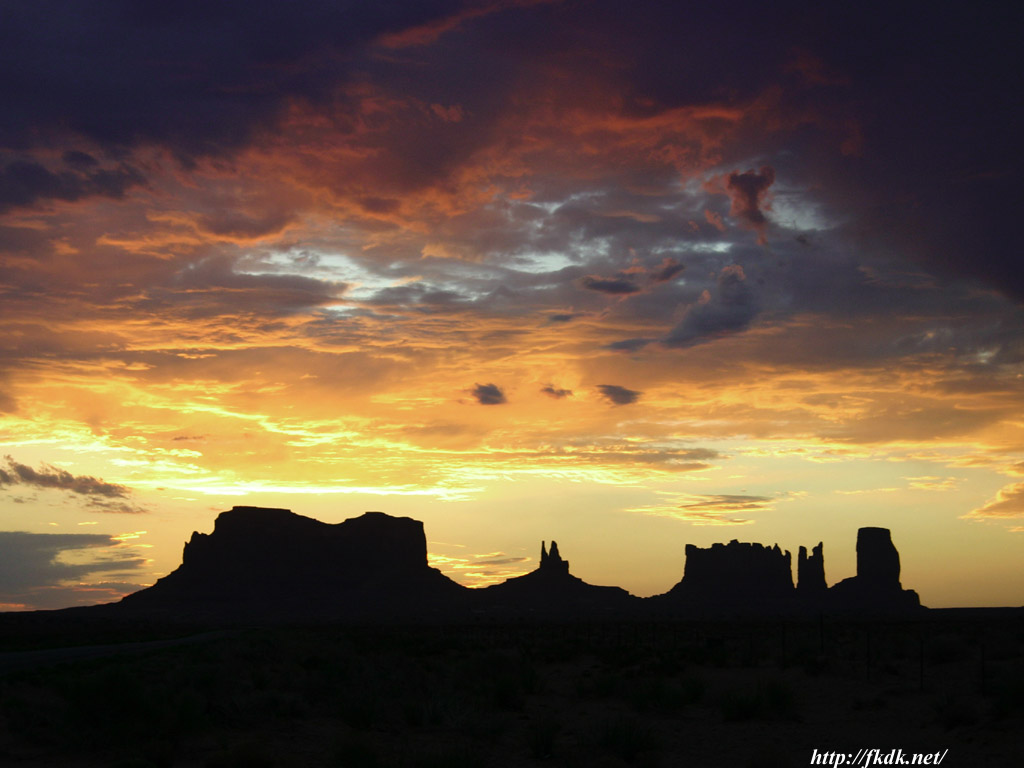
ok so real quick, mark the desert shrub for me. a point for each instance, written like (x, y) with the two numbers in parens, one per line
(360, 708)
(34, 711)
(248, 754)
(657, 694)
(506, 693)
(953, 711)
(627, 738)
(481, 727)
(619, 655)
(461, 756)
(133, 762)
(600, 684)
(540, 737)
(499, 680)
(779, 700)
(876, 702)
(771, 700)
(814, 664)
(945, 649)
(1008, 695)
(355, 752)
(769, 757)
(666, 664)
(738, 706)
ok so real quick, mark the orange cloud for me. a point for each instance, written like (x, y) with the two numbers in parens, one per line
(1008, 503)
(712, 509)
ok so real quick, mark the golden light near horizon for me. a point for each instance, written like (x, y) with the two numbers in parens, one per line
(585, 296)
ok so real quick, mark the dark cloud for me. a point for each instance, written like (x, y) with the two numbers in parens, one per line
(59, 479)
(110, 506)
(555, 392)
(561, 317)
(79, 160)
(373, 204)
(200, 79)
(488, 394)
(619, 395)
(667, 270)
(629, 345)
(748, 192)
(418, 293)
(238, 225)
(729, 310)
(215, 286)
(207, 81)
(25, 182)
(615, 286)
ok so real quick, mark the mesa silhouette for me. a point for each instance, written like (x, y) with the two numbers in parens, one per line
(262, 563)
(265, 562)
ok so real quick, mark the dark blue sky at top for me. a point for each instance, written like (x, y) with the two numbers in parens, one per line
(935, 88)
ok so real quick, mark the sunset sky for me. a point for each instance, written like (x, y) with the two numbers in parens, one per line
(628, 276)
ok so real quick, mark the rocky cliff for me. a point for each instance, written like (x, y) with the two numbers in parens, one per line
(261, 563)
(752, 579)
(734, 577)
(273, 562)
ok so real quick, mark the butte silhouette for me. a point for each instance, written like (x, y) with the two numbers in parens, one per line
(272, 564)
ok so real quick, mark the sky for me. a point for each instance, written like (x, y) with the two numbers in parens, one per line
(627, 277)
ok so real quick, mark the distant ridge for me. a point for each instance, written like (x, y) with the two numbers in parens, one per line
(271, 564)
(551, 590)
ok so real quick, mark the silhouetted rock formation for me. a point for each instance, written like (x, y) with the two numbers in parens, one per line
(735, 577)
(876, 588)
(272, 562)
(552, 561)
(751, 579)
(810, 572)
(551, 591)
(878, 562)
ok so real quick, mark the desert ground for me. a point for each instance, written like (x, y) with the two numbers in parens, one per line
(669, 693)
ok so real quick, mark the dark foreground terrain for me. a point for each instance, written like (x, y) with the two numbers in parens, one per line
(757, 693)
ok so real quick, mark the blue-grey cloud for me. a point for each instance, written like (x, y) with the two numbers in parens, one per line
(730, 309)
(488, 394)
(629, 345)
(556, 392)
(619, 395)
(30, 561)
